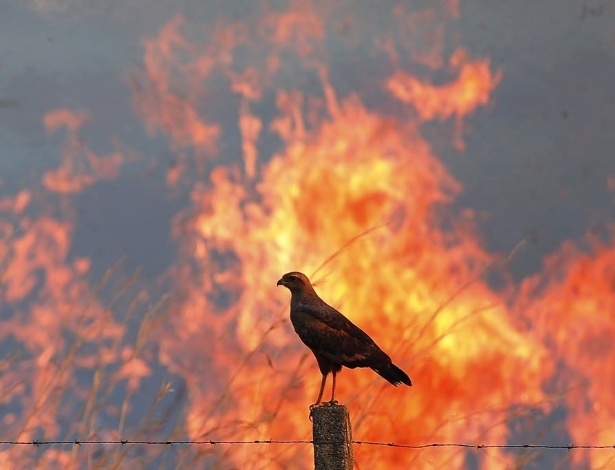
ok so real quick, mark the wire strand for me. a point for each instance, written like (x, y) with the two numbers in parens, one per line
(79, 442)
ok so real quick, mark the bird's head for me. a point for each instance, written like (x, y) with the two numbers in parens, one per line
(296, 282)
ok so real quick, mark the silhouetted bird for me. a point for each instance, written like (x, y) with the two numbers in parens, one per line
(334, 340)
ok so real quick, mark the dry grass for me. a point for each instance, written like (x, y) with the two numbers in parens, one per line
(82, 393)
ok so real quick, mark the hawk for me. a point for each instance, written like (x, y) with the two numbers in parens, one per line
(334, 340)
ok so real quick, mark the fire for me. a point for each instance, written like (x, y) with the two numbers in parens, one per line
(80, 167)
(401, 282)
(569, 307)
(163, 110)
(415, 287)
(56, 332)
(472, 88)
(290, 167)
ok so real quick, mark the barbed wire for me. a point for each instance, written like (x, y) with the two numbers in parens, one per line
(125, 442)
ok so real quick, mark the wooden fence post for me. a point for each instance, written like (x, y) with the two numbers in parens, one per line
(332, 435)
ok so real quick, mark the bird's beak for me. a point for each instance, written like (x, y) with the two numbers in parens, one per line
(280, 282)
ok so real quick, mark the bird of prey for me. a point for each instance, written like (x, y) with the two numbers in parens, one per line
(334, 340)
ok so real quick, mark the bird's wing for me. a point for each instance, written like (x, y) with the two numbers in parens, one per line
(332, 335)
(335, 320)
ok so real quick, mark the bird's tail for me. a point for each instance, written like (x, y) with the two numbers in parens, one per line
(393, 374)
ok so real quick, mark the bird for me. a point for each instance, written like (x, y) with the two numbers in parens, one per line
(333, 339)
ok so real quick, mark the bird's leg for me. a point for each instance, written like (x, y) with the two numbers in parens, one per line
(333, 402)
(322, 389)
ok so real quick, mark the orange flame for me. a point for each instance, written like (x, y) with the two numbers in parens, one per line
(569, 307)
(415, 287)
(472, 88)
(400, 281)
(80, 166)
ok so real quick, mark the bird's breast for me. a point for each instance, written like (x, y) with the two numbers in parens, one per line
(305, 325)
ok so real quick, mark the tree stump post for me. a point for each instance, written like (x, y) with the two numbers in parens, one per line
(332, 435)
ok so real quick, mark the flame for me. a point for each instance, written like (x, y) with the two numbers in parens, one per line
(55, 330)
(80, 167)
(288, 167)
(472, 88)
(569, 307)
(414, 286)
(401, 282)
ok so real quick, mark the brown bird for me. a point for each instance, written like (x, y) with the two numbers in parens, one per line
(334, 340)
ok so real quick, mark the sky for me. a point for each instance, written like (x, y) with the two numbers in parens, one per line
(536, 160)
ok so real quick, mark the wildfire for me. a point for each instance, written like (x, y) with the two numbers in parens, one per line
(290, 168)
(352, 172)
(570, 308)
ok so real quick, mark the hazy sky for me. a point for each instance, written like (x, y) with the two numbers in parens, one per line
(536, 163)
